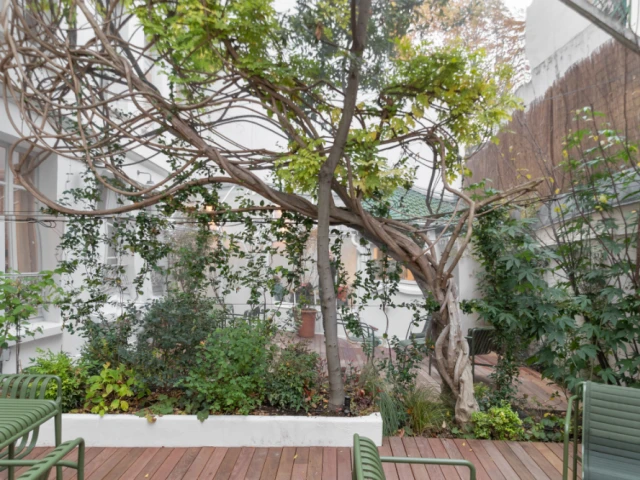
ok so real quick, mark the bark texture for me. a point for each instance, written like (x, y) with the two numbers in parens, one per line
(360, 13)
(452, 359)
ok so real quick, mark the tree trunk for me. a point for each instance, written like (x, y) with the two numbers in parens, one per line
(452, 356)
(360, 13)
(328, 295)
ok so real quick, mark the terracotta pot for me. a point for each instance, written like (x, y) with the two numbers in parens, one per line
(307, 323)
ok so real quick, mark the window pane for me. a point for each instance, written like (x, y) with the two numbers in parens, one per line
(26, 234)
(407, 274)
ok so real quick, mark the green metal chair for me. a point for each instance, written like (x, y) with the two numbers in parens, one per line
(610, 432)
(41, 468)
(420, 338)
(367, 462)
(366, 336)
(23, 408)
(481, 341)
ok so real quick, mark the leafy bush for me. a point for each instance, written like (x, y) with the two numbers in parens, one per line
(293, 378)
(426, 413)
(71, 376)
(482, 392)
(112, 390)
(498, 423)
(165, 405)
(231, 370)
(402, 371)
(20, 298)
(106, 342)
(550, 428)
(515, 293)
(170, 331)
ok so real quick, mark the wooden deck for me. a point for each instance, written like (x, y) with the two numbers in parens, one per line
(537, 392)
(493, 460)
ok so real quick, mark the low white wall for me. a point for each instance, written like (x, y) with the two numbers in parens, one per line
(216, 431)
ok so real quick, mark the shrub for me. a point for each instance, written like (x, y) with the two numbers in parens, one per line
(402, 371)
(550, 428)
(106, 342)
(482, 392)
(498, 423)
(231, 369)
(169, 333)
(112, 390)
(293, 378)
(71, 376)
(426, 413)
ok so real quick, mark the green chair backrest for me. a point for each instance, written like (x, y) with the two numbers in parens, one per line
(366, 460)
(611, 432)
(483, 340)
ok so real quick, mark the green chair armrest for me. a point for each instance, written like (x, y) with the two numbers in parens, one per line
(567, 429)
(434, 461)
(567, 433)
(26, 386)
(42, 467)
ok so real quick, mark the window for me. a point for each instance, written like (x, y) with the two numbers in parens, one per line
(18, 208)
(119, 263)
(404, 275)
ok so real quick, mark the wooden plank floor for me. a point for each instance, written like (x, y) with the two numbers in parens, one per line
(537, 392)
(493, 461)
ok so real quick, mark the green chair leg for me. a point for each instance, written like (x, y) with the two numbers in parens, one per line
(473, 368)
(11, 455)
(58, 427)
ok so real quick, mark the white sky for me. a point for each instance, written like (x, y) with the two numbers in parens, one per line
(516, 5)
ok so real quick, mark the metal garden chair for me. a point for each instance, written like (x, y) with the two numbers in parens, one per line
(365, 337)
(367, 462)
(610, 432)
(23, 408)
(419, 338)
(481, 341)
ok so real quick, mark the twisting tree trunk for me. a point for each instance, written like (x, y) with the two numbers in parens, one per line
(452, 358)
(360, 12)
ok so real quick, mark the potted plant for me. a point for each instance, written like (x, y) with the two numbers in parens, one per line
(307, 314)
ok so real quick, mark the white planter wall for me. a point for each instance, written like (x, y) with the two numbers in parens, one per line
(216, 431)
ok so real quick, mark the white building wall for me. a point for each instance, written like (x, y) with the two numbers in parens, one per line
(54, 177)
(556, 38)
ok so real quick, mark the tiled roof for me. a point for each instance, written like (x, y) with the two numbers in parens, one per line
(409, 204)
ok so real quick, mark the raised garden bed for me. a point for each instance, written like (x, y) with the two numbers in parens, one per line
(217, 431)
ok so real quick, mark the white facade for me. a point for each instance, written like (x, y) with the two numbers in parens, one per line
(556, 38)
(31, 247)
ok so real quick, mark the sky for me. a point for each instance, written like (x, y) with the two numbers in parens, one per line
(283, 5)
(517, 4)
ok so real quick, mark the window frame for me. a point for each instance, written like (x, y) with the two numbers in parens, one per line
(108, 199)
(8, 230)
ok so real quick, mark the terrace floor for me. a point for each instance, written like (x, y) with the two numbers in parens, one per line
(537, 392)
(493, 461)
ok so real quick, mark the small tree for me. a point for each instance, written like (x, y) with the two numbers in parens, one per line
(593, 230)
(21, 297)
